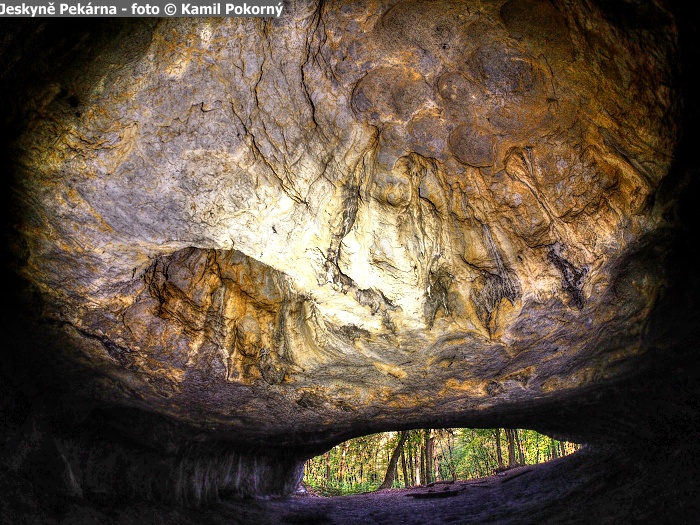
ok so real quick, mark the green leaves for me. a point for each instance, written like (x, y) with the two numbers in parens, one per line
(360, 465)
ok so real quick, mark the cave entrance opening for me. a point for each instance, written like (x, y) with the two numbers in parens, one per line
(424, 457)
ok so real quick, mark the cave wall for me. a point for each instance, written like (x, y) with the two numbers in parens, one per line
(233, 243)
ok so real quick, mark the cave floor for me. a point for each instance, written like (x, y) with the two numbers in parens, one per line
(585, 487)
(507, 497)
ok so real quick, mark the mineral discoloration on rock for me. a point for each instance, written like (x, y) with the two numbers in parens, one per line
(333, 216)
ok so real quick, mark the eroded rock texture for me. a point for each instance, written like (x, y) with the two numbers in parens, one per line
(355, 217)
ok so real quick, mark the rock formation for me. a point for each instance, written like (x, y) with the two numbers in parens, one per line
(240, 241)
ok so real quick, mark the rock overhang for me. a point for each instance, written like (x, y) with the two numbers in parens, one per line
(351, 218)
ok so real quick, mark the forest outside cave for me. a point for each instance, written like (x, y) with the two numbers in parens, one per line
(426, 457)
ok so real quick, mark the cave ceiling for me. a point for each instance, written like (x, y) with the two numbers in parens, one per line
(381, 214)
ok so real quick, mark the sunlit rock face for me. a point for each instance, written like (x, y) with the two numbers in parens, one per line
(376, 215)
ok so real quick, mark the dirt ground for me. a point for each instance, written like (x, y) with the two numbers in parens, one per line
(578, 489)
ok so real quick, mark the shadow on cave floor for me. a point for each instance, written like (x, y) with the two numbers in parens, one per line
(589, 486)
(586, 487)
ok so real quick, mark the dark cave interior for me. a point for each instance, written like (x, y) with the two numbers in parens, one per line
(71, 456)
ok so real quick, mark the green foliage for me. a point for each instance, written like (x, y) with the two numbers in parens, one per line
(475, 453)
(352, 467)
(335, 488)
(359, 465)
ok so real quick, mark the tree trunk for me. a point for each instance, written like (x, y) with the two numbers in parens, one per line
(429, 456)
(404, 469)
(422, 481)
(341, 471)
(412, 460)
(373, 475)
(328, 467)
(563, 448)
(512, 460)
(420, 467)
(499, 450)
(553, 448)
(451, 461)
(519, 445)
(391, 469)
